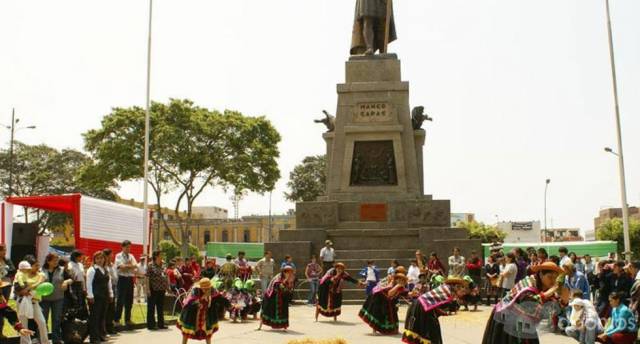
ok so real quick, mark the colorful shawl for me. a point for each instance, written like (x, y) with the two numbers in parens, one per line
(436, 298)
(527, 284)
(338, 280)
(279, 281)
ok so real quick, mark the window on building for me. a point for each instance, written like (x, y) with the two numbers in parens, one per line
(166, 235)
(246, 235)
(225, 235)
(207, 236)
(286, 226)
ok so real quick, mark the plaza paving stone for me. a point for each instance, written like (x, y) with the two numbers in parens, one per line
(464, 328)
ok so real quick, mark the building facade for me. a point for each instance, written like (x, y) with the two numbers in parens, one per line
(253, 228)
(521, 231)
(562, 235)
(613, 213)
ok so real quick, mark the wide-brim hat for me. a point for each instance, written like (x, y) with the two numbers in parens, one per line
(547, 266)
(339, 265)
(287, 268)
(455, 280)
(401, 270)
(4, 284)
(204, 283)
(400, 277)
(328, 242)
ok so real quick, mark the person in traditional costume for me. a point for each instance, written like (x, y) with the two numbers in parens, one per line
(330, 291)
(199, 316)
(253, 307)
(240, 301)
(275, 305)
(473, 297)
(514, 319)
(380, 309)
(422, 324)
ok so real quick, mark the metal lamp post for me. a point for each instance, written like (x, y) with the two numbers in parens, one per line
(625, 206)
(546, 188)
(13, 129)
(619, 154)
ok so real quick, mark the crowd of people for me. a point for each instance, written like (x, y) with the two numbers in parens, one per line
(585, 299)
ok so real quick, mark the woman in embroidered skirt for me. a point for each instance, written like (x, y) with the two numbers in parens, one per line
(330, 291)
(199, 317)
(515, 317)
(380, 310)
(275, 305)
(422, 324)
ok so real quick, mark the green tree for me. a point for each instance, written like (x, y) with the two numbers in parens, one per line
(43, 170)
(171, 250)
(191, 148)
(308, 180)
(612, 230)
(479, 230)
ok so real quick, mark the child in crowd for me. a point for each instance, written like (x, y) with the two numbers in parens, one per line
(174, 276)
(371, 276)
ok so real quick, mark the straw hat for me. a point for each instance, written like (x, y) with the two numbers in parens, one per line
(455, 280)
(287, 268)
(397, 277)
(401, 270)
(4, 284)
(547, 266)
(339, 265)
(204, 283)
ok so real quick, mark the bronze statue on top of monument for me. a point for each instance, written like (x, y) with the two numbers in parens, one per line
(373, 28)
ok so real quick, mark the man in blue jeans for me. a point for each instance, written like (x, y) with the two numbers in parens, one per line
(313, 273)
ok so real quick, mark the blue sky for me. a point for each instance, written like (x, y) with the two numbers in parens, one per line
(520, 90)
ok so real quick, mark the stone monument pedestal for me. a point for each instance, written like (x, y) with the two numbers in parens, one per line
(374, 207)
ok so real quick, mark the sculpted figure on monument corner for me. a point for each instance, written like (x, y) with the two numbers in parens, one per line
(418, 117)
(329, 121)
(370, 27)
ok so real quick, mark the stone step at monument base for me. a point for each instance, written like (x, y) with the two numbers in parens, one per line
(376, 254)
(370, 232)
(373, 243)
(371, 225)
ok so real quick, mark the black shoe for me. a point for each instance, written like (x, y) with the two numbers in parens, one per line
(162, 328)
(152, 328)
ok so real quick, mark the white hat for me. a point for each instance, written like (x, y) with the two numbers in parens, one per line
(24, 265)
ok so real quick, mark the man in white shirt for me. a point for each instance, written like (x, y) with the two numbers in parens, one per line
(564, 255)
(127, 266)
(265, 268)
(327, 256)
(456, 264)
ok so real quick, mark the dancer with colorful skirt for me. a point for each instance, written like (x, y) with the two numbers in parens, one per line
(422, 324)
(275, 305)
(515, 317)
(330, 291)
(199, 316)
(380, 310)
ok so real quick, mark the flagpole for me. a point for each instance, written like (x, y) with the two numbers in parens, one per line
(145, 222)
